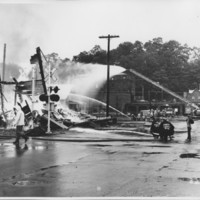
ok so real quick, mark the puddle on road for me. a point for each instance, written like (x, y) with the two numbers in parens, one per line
(100, 145)
(39, 147)
(130, 145)
(29, 183)
(9, 150)
(22, 180)
(110, 152)
(190, 180)
(53, 166)
(162, 146)
(152, 153)
(190, 155)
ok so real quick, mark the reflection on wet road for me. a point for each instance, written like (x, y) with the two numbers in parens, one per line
(31, 165)
(97, 169)
(7, 149)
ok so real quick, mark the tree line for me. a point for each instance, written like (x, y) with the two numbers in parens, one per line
(173, 65)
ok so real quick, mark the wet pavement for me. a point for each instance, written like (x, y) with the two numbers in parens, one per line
(102, 163)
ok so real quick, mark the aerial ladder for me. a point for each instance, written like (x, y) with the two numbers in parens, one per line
(164, 89)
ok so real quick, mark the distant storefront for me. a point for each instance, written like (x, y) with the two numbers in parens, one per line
(136, 107)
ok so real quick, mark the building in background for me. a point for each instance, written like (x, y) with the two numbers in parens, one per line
(128, 94)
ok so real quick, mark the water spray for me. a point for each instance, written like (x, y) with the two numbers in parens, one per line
(100, 102)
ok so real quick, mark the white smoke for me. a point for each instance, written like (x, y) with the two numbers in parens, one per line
(84, 79)
(21, 32)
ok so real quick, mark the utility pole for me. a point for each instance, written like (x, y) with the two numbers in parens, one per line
(3, 78)
(49, 103)
(108, 70)
(3, 74)
(4, 63)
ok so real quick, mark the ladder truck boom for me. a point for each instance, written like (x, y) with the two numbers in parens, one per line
(163, 88)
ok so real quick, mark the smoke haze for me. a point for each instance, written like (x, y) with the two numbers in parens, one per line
(84, 79)
(20, 31)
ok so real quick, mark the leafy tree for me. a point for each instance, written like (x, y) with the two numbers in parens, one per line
(96, 55)
(173, 65)
(83, 57)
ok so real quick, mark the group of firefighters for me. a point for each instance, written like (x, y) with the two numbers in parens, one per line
(162, 128)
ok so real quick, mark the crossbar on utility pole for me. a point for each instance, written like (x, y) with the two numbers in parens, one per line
(108, 70)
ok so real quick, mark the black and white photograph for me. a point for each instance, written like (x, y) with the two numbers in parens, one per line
(99, 99)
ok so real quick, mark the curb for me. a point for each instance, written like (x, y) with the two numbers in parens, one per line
(92, 140)
(82, 140)
(88, 140)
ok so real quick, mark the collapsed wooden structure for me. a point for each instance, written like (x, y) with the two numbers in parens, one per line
(37, 123)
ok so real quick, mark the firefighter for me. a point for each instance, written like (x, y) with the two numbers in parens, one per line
(155, 127)
(19, 122)
(166, 130)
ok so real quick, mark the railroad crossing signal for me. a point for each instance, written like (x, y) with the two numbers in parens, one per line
(51, 75)
(43, 97)
(55, 89)
(53, 97)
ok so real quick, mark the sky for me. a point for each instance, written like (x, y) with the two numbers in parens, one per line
(68, 27)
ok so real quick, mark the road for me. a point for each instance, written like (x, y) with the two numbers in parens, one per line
(135, 168)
